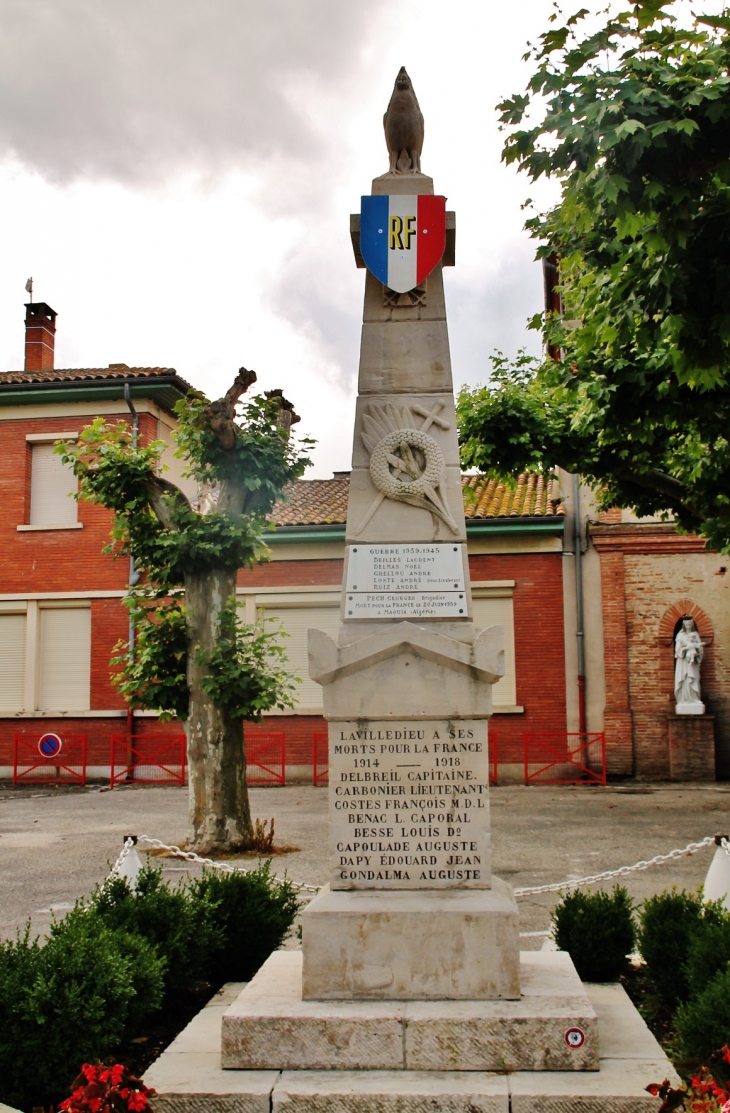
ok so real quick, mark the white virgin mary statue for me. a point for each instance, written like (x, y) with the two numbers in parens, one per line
(688, 654)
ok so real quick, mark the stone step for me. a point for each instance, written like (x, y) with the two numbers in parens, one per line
(552, 1027)
(189, 1078)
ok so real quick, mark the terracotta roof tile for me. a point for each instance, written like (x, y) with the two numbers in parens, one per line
(313, 502)
(82, 374)
(533, 496)
(324, 501)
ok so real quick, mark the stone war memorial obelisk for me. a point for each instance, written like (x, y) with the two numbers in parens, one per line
(410, 992)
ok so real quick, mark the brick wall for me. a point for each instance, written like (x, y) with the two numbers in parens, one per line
(52, 560)
(297, 573)
(109, 624)
(618, 723)
(650, 577)
(539, 645)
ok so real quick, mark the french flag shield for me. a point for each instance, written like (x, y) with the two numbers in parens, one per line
(402, 238)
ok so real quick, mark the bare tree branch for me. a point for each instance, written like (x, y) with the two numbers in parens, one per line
(659, 481)
(221, 415)
(287, 416)
(163, 507)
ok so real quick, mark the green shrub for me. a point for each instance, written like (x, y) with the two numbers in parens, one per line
(667, 924)
(250, 913)
(67, 1002)
(168, 919)
(703, 1024)
(597, 931)
(109, 963)
(708, 953)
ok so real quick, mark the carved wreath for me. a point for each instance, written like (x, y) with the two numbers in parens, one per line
(406, 464)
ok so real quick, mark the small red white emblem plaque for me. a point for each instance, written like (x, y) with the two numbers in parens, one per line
(575, 1037)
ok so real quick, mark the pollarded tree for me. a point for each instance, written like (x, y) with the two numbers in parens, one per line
(631, 114)
(194, 658)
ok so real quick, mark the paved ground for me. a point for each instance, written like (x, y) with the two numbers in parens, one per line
(56, 844)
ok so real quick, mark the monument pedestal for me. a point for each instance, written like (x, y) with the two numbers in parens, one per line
(550, 1027)
(405, 945)
(189, 1077)
(692, 748)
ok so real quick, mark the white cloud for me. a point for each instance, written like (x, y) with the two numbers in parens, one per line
(178, 177)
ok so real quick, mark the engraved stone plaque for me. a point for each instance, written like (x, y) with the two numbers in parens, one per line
(409, 804)
(405, 581)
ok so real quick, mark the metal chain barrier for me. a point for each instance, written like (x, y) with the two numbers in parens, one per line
(189, 856)
(657, 860)
(533, 890)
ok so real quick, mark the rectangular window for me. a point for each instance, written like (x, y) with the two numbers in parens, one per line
(296, 621)
(51, 486)
(64, 659)
(12, 661)
(499, 612)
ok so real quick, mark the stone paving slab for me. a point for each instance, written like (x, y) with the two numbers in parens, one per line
(618, 1087)
(390, 1092)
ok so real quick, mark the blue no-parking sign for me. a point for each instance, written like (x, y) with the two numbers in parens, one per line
(50, 745)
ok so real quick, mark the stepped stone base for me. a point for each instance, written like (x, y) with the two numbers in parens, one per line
(271, 1027)
(189, 1078)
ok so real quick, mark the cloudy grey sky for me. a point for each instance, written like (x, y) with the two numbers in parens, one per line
(177, 176)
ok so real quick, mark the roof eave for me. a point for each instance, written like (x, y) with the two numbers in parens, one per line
(493, 527)
(166, 390)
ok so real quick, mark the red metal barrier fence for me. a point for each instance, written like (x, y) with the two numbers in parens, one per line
(565, 758)
(147, 759)
(266, 759)
(49, 758)
(320, 758)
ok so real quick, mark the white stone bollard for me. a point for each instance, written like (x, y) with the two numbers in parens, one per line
(717, 882)
(131, 867)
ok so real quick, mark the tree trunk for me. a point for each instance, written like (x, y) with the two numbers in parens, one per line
(219, 816)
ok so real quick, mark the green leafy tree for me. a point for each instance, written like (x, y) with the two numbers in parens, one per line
(631, 114)
(194, 658)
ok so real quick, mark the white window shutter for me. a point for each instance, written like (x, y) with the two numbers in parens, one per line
(12, 661)
(499, 612)
(65, 659)
(51, 485)
(296, 621)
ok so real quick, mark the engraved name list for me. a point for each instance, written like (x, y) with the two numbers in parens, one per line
(409, 805)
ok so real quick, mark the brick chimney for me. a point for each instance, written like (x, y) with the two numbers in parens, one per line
(40, 336)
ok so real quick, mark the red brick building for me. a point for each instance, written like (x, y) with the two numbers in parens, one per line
(649, 577)
(61, 611)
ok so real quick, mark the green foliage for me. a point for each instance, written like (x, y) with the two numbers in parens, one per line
(67, 1002)
(667, 924)
(116, 960)
(597, 931)
(513, 424)
(703, 1023)
(155, 677)
(632, 119)
(708, 953)
(251, 913)
(170, 540)
(263, 461)
(166, 919)
(124, 478)
(244, 672)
